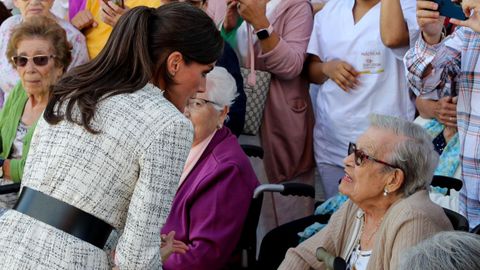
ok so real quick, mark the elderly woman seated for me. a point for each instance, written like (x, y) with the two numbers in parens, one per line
(444, 251)
(387, 174)
(40, 53)
(31, 9)
(216, 186)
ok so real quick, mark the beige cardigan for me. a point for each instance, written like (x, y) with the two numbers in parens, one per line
(407, 222)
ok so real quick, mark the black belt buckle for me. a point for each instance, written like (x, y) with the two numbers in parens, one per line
(63, 216)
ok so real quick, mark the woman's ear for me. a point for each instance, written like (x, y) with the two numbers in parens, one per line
(223, 115)
(173, 63)
(395, 181)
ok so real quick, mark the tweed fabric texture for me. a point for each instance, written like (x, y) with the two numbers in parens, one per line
(256, 97)
(126, 175)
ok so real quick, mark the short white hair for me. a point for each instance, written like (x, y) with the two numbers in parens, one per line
(414, 154)
(444, 251)
(221, 87)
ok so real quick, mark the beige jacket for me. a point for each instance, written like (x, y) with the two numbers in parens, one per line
(407, 222)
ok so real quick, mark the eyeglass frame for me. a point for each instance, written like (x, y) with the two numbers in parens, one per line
(352, 149)
(51, 56)
(206, 102)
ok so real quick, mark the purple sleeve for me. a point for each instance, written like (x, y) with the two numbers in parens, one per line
(216, 220)
(74, 6)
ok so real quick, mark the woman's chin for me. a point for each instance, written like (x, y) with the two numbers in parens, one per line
(346, 185)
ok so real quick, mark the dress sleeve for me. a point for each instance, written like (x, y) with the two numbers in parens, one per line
(287, 58)
(160, 168)
(217, 215)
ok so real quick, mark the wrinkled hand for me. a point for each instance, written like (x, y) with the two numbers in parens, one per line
(342, 73)
(471, 8)
(170, 245)
(83, 19)
(231, 15)
(111, 13)
(254, 12)
(430, 21)
(446, 112)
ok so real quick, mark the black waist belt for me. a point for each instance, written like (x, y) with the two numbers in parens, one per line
(63, 216)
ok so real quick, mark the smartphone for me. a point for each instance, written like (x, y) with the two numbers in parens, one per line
(451, 10)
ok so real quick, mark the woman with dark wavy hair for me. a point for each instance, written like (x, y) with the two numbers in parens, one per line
(111, 147)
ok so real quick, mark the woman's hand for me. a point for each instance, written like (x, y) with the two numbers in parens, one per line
(254, 12)
(231, 16)
(430, 21)
(342, 73)
(83, 19)
(170, 245)
(471, 9)
(111, 13)
(446, 112)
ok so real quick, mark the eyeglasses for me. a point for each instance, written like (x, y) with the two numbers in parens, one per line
(360, 156)
(197, 103)
(38, 60)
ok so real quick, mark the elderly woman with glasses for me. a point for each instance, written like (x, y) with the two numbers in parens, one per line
(40, 53)
(387, 176)
(216, 186)
(30, 9)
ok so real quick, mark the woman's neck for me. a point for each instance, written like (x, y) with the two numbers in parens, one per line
(376, 210)
(38, 100)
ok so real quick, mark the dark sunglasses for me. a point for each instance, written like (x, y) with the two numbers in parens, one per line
(360, 156)
(38, 60)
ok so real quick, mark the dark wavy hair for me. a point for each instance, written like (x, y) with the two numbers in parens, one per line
(135, 54)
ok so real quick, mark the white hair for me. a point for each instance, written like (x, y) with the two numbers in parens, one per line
(444, 251)
(414, 154)
(221, 87)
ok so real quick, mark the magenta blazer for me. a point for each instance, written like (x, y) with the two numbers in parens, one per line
(210, 207)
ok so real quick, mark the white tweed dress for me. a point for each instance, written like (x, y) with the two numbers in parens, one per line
(126, 175)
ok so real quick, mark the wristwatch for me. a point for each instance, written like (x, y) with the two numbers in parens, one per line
(264, 33)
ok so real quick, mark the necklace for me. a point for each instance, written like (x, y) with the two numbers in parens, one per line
(357, 253)
(369, 237)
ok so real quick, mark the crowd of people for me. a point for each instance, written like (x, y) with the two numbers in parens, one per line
(122, 120)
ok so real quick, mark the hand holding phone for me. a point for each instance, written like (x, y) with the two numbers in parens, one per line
(111, 13)
(451, 10)
(471, 7)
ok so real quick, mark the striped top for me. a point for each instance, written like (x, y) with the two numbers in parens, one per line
(457, 57)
